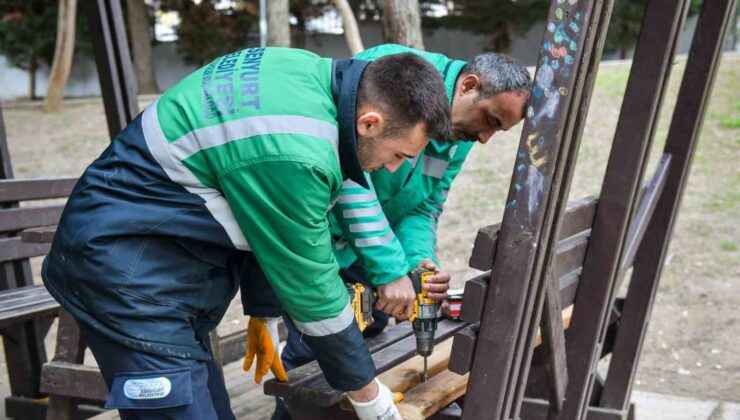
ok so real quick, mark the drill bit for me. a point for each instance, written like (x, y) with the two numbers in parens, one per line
(426, 373)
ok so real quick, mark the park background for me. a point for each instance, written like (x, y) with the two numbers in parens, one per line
(691, 347)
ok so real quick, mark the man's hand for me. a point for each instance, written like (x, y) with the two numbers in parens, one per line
(438, 284)
(375, 401)
(263, 342)
(397, 298)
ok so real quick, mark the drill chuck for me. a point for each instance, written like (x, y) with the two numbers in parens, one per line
(424, 328)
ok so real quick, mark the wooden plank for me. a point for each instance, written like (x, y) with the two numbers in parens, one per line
(22, 292)
(474, 296)
(483, 247)
(303, 374)
(39, 235)
(696, 86)
(645, 89)
(463, 350)
(428, 398)
(70, 349)
(35, 188)
(12, 249)
(74, 380)
(13, 220)
(49, 308)
(578, 217)
(645, 210)
(593, 44)
(410, 373)
(318, 392)
(569, 257)
(113, 61)
(461, 361)
(553, 338)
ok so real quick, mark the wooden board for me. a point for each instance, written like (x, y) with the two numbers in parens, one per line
(433, 395)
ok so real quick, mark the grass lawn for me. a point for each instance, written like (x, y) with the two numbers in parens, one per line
(691, 348)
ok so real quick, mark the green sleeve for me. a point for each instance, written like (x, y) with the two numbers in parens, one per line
(367, 231)
(286, 227)
(417, 231)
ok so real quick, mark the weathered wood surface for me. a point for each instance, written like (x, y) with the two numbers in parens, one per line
(113, 61)
(579, 216)
(430, 397)
(39, 235)
(318, 392)
(461, 361)
(35, 189)
(635, 127)
(26, 303)
(696, 86)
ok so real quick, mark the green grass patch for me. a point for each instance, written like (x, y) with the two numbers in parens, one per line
(728, 246)
(730, 123)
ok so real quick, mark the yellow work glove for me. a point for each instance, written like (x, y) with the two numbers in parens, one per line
(263, 342)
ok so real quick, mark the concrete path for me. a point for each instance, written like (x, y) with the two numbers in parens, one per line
(651, 406)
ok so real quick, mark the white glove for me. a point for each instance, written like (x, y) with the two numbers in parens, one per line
(381, 407)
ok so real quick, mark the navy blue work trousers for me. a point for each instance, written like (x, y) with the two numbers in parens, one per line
(151, 386)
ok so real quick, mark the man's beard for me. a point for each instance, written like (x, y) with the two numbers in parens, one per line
(366, 147)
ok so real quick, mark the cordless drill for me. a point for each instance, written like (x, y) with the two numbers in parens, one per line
(424, 318)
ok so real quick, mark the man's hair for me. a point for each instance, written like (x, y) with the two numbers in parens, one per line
(498, 73)
(409, 90)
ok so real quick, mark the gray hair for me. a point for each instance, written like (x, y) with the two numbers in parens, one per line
(499, 73)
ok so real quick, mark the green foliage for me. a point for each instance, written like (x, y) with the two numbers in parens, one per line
(499, 20)
(205, 33)
(28, 32)
(626, 20)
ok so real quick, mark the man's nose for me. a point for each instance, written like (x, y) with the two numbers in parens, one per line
(484, 136)
(393, 165)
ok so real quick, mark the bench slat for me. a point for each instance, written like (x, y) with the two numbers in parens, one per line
(28, 301)
(12, 249)
(318, 391)
(73, 380)
(305, 373)
(12, 190)
(578, 217)
(46, 309)
(17, 292)
(16, 219)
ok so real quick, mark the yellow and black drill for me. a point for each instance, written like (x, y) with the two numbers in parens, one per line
(424, 319)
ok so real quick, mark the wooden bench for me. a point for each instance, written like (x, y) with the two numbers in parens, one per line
(308, 395)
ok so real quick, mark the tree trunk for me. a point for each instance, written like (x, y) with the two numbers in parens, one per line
(402, 23)
(139, 30)
(278, 26)
(351, 32)
(32, 67)
(63, 53)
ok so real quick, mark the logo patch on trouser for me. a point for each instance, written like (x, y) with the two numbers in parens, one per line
(147, 389)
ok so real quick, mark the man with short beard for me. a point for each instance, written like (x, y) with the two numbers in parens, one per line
(233, 169)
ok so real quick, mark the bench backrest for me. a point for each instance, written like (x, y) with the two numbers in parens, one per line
(23, 206)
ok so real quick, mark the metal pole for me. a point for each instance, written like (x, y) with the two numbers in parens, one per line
(263, 23)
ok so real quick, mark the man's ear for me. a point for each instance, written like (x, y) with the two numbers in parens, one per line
(469, 83)
(369, 123)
